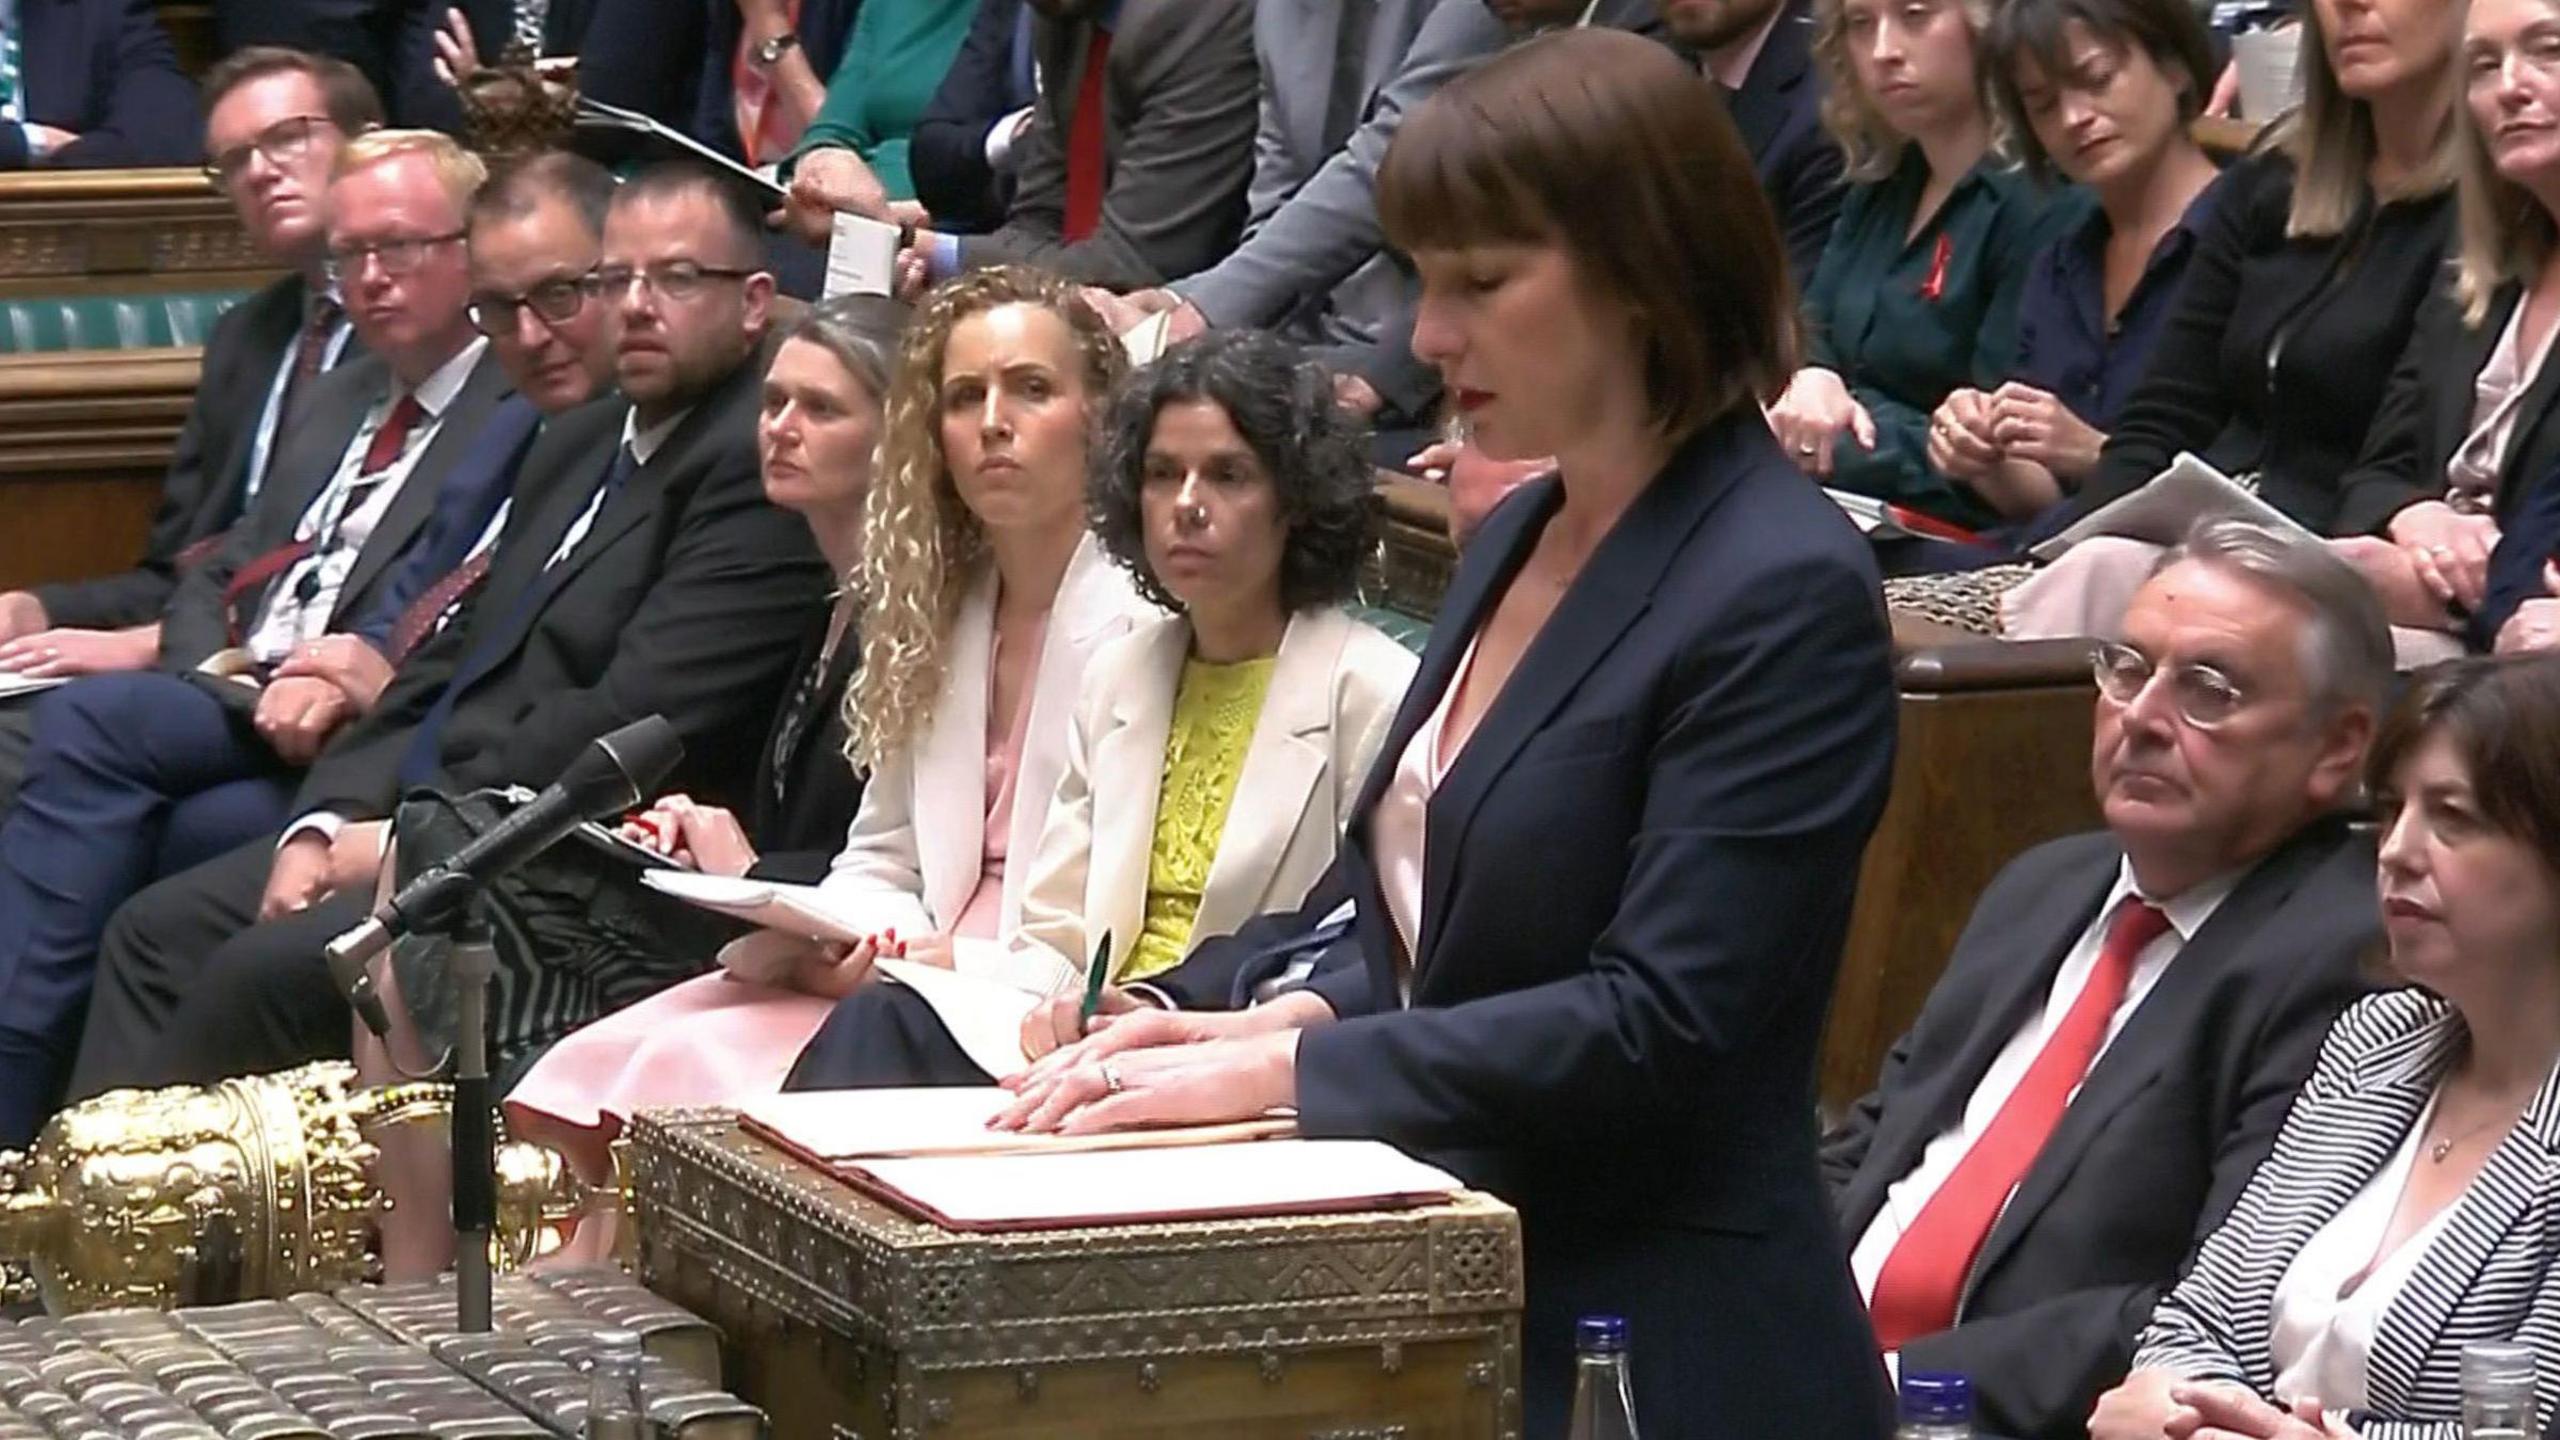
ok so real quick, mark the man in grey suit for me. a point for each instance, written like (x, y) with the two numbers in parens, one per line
(1154, 186)
(2128, 1014)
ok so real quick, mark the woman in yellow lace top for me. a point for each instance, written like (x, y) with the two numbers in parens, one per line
(1212, 754)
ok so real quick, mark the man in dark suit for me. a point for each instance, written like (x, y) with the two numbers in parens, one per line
(2127, 1016)
(351, 491)
(963, 151)
(275, 120)
(1134, 168)
(641, 572)
(95, 86)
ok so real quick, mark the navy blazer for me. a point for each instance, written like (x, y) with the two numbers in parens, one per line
(1638, 876)
(947, 154)
(104, 70)
(1779, 112)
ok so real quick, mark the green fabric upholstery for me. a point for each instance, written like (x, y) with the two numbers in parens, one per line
(1406, 630)
(111, 322)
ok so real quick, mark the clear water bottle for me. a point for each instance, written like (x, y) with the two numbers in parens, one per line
(2497, 1391)
(615, 1409)
(1934, 1405)
(1604, 1408)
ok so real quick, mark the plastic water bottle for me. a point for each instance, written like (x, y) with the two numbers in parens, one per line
(2497, 1391)
(1935, 1406)
(1603, 1406)
(615, 1408)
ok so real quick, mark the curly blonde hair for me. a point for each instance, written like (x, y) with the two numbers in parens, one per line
(921, 546)
(1869, 145)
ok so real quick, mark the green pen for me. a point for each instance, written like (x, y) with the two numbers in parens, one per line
(1093, 979)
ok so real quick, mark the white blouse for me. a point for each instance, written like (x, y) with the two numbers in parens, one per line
(1396, 825)
(2325, 1317)
(2471, 477)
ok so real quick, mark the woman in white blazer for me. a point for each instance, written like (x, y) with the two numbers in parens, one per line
(2412, 1203)
(984, 602)
(1213, 752)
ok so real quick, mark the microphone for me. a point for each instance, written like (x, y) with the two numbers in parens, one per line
(614, 773)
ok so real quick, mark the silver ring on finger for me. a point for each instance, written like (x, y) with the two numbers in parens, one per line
(1111, 1078)
(1806, 448)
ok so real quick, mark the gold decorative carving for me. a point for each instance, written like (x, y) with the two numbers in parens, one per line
(120, 231)
(259, 1186)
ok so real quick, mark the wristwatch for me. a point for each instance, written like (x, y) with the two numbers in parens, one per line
(768, 53)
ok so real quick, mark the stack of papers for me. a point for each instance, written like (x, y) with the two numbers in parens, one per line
(2169, 505)
(929, 1153)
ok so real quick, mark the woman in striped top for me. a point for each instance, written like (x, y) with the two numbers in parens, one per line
(2412, 1203)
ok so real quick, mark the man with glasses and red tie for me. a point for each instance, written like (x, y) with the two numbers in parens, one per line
(274, 122)
(2126, 1017)
(350, 492)
(640, 570)
(91, 84)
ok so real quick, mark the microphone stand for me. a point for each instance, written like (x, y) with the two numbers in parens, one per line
(473, 963)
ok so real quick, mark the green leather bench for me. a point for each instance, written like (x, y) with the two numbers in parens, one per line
(1406, 630)
(111, 322)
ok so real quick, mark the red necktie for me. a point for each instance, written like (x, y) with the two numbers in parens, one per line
(1084, 142)
(393, 437)
(254, 574)
(419, 621)
(1922, 1280)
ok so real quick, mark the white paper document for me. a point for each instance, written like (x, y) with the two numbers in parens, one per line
(772, 905)
(13, 684)
(2163, 510)
(984, 1016)
(1146, 340)
(1052, 1191)
(862, 257)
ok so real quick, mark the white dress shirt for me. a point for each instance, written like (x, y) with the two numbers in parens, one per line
(343, 516)
(1909, 1195)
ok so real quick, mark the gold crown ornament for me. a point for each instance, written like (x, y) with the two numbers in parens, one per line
(251, 1188)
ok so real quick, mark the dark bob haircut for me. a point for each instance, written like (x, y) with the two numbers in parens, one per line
(1282, 405)
(2502, 716)
(1610, 147)
(2166, 30)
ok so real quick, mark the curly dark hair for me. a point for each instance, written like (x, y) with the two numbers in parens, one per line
(1315, 452)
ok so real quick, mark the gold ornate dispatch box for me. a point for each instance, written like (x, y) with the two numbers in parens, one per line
(849, 1321)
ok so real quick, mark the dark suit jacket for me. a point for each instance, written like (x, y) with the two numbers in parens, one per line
(465, 504)
(823, 28)
(104, 70)
(1779, 112)
(684, 599)
(947, 153)
(1177, 141)
(201, 495)
(2161, 1136)
(803, 800)
(1637, 878)
(198, 623)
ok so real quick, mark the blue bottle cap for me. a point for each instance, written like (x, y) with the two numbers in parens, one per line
(1936, 1397)
(1601, 1335)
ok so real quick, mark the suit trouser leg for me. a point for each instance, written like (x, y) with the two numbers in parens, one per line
(111, 756)
(152, 961)
(881, 1036)
(210, 823)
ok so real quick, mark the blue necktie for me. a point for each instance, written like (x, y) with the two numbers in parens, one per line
(419, 763)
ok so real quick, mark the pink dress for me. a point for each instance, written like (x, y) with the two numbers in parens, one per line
(713, 1040)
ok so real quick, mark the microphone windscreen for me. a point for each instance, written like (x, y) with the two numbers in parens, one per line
(624, 767)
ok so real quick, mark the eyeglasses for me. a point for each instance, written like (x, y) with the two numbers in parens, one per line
(397, 256)
(2204, 697)
(677, 280)
(282, 143)
(552, 302)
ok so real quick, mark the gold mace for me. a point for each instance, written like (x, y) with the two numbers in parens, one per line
(256, 1187)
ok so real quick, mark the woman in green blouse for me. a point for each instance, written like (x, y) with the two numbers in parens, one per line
(1917, 293)
(853, 156)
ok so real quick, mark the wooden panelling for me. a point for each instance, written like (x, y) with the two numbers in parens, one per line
(120, 232)
(84, 439)
(191, 33)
